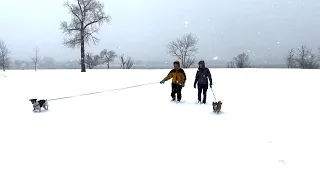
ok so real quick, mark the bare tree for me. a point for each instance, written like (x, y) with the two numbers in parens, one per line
(242, 61)
(92, 60)
(108, 56)
(35, 59)
(129, 63)
(184, 48)
(4, 59)
(231, 64)
(122, 61)
(86, 18)
(306, 59)
(126, 64)
(290, 61)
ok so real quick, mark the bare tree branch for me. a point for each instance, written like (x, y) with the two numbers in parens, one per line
(189, 62)
(306, 59)
(122, 61)
(86, 18)
(5, 61)
(126, 64)
(241, 61)
(129, 63)
(92, 60)
(183, 48)
(290, 61)
(107, 56)
(35, 59)
(231, 64)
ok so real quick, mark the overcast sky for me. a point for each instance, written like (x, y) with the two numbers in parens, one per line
(266, 29)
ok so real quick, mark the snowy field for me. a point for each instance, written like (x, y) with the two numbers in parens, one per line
(269, 128)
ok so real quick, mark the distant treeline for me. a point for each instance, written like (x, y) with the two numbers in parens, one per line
(50, 63)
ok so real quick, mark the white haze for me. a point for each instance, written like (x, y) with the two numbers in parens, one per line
(142, 28)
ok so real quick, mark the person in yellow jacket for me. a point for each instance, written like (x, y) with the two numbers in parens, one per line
(178, 81)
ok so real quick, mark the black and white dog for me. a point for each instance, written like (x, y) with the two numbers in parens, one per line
(37, 105)
(216, 107)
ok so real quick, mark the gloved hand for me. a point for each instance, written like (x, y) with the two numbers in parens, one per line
(162, 82)
(182, 84)
(195, 86)
(211, 86)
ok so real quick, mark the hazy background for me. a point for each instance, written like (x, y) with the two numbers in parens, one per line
(142, 28)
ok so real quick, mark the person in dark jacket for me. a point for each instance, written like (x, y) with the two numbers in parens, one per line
(202, 76)
(178, 80)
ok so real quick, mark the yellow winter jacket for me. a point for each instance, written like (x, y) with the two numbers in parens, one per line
(178, 76)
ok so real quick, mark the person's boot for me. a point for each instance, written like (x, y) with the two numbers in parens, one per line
(204, 101)
(173, 96)
(179, 96)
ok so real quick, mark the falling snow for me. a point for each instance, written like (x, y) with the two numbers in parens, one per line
(186, 23)
(215, 58)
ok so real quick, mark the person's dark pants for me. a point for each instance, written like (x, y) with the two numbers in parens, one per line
(202, 88)
(176, 89)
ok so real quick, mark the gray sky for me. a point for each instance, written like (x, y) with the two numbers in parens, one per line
(142, 28)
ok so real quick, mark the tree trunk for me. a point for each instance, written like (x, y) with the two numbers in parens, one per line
(35, 66)
(3, 64)
(83, 66)
(108, 66)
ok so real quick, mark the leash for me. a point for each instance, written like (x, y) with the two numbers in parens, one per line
(99, 92)
(213, 95)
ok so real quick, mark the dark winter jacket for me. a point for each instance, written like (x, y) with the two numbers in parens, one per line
(203, 74)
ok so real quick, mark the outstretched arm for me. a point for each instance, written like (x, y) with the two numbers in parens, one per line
(169, 76)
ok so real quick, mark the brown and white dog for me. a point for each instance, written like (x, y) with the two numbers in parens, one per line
(38, 104)
(216, 107)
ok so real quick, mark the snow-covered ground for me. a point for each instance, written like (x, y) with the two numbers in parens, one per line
(269, 128)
